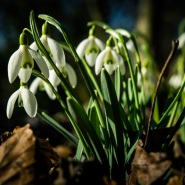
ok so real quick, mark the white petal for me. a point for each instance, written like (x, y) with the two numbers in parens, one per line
(11, 103)
(40, 62)
(181, 40)
(82, 47)
(110, 68)
(25, 74)
(57, 51)
(29, 102)
(100, 61)
(50, 92)
(53, 78)
(91, 58)
(99, 43)
(47, 63)
(115, 56)
(14, 65)
(121, 65)
(71, 75)
(35, 85)
(34, 46)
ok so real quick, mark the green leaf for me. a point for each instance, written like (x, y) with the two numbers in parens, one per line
(113, 114)
(79, 151)
(130, 152)
(58, 127)
(118, 82)
(86, 129)
(174, 130)
(94, 120)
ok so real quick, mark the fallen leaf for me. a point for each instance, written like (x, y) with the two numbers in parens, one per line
(147, 167)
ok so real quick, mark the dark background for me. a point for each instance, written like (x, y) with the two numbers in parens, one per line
(159, 20)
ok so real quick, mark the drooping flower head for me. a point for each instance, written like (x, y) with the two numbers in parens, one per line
(90, 48)
(21, 62)
(109, 59)
(53, 47)
(25, 98)
(40, 84)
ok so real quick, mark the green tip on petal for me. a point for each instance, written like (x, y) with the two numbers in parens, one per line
(23, 39)
(45, 29)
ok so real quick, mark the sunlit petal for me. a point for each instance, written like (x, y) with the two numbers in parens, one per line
(91, 58)
(57, 51)
(110, 68)
(34, 46)
(53, 78)
(24, 74)
(50, 92)
(71, 75)
(115, 56)
(40, 62)
(99, 43)
(100, 61)
(121, 65)
(29, 102)
(35, 85)
(14, 65)
(11, 103)
(181, 40)
(82, 47)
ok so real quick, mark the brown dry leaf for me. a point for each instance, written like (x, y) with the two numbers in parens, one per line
(176, 180)
(21, 159)
(147, 167)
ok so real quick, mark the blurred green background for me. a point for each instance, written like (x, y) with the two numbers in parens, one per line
(158, 20)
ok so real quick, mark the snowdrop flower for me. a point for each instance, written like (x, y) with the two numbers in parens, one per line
(39, 83)
(67, 71)
(53, 47)
(25, 98)
(110, 59)
(21, 62)
(175, 81)
(90, 48)
(181, 40)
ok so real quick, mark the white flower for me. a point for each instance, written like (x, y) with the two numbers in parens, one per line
(90, 48)
(39, 83)
(110, 60)
(175, 81)
(25, 99)
(67, 71)
(54, 49)
(181, 40)
(21, 64)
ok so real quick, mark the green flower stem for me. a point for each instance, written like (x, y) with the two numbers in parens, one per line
(28, 30)
(75, 126)
(93, 79)
(81, 66)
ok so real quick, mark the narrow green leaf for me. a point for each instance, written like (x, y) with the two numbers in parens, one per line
(87, 130)
(174, 130)
(130, 152)
(79, 151)
(113, 113)
(118, 82)
(58, 127)
(94, 120)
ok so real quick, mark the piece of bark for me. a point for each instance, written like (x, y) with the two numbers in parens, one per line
(22, 158)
